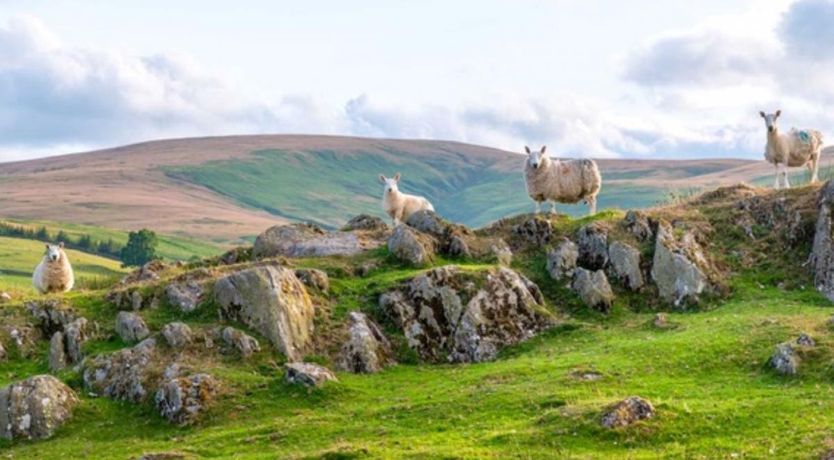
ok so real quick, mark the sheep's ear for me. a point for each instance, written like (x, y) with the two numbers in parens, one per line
(382, 178)
(397, 177)
(762, 114)
(544, 147)
(778, 112)
(527, 149)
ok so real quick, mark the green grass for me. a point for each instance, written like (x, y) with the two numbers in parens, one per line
(328, 187)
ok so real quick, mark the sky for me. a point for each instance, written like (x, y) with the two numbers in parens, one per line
(592, 78)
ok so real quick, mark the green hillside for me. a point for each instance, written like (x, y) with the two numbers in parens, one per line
(329, 187)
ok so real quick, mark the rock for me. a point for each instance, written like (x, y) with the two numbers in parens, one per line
(5, 297)
(679, 267)
(132, 298)
(822, 251)
(593, 246)
(365, 222)
(536, 230)
(35, 408)
(627, 412)
(240, 341)
(65, 346)
(660, 321)
(805, 340)
(307, 240)
(625, 264)
(313, 278)
(124, 375)
(236, 256)
(366, 350)
(272, 301)
(177, 334)
(428, 222)
(561, 260)
(638, 224)
(411, 246)
(131, 327)
(50, 315)
(24, 338)
(593, 289)
(181, 400)
(448, 314)
(184, 295)
(308, 374)
(785, 360)
(57, 356)
(148, 272)
(365, 269)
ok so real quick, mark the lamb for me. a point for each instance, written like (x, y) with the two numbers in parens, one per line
(561, 181)
(796, 148)
(400, 205)
(54, 273)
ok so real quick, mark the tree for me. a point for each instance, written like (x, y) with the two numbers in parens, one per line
(140, 248)
(85, 242)
(42, 234)
(62, 237)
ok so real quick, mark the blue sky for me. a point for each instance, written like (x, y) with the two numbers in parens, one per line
(672, 79)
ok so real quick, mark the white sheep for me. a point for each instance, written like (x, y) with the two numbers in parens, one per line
(400, 205)
(561, 181)
(796, 148)
(54, 273)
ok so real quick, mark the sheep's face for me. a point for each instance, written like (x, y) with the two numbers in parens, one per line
(536, 159)
(770, 120)
(54, 252)
(390, 183)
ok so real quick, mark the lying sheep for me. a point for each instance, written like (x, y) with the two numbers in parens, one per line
(54, 273)
(795, 148)
(561, 181)
(400, 205)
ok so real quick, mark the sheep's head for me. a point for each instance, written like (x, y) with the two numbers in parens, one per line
(770, 120)
(390, 183)
(536, 159)
(54, 252)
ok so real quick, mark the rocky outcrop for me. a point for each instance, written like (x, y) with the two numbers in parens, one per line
(448, 314)
(636, 223)
(132, 298)
(57, 355)
(411, 246)
(627, 412)
(131, 327)
(65, 346)
(561, 260)
(593, 288)
(241, 342)
(308, 375)
(50, 315)
(787, 356)
(272, 301)
(365, 222)
(313, 278)
(535, 230)
(184, 295)
(181, 400)
(35, 408)
(126, 375)
(679, 268)
(624, 262)
(455, 240)
(366, 349)
(592, 243)
(148, 272)
(307, 240)
(177, 334)
(822, 251)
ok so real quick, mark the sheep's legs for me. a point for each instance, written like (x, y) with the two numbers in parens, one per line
(776, 177)
(538, 207)
(553, 208)
(592, 205)
(785, 176)
(814, 166)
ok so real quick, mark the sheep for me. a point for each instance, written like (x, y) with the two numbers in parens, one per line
(400, 205)
(54, 273)
(796, 148)
(561, 181)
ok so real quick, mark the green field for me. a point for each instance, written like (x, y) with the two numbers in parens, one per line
(463, 189)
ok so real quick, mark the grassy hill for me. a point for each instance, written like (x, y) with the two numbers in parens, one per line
(706, 374)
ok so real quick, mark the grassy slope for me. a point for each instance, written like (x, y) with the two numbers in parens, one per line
(463, 189)
(715, 397)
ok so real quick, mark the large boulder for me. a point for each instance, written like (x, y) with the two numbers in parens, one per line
(239, 341)
(593, 246)
(412, 246)
(125, 375)
(272, 301)
(366, 349)
(184, 295)
(822, 251)
(181, 400)
(307, 240)
(627, 412)
(131, 327)
(593, 288)
(308, 374)
(625, 264)
(448, 314)
(34, 408)
(561, 260)
(679, 268)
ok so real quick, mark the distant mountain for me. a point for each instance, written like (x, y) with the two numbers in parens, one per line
(223, 188)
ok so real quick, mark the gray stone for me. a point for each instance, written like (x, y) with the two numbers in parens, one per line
(148, 272)
(535, 230)
(366, 349)
(561, 260)
(307, 240)
(822, 251)
(131, 327)
(593, 288)
(239, 341)
(124, 375)
(181, 400)
(35, 408)
(411, 246)
(313, 278)
(185, 295)
(75, 334)
(785, 360)
(177, 334)
(638, 224)
(308, 374)
(57, 355)
(50, 315)
(428, 222)
(365, 222)
(593, 246)
(627, 412)
(625, 264)
(272, 301)
(679, 267)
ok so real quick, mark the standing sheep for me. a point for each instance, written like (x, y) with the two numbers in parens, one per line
(400, 205)
(796, 148)
(54, 273)
(561, 181)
